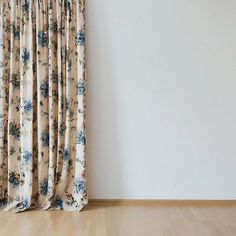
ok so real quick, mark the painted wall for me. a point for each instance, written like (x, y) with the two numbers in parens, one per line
(162, 99)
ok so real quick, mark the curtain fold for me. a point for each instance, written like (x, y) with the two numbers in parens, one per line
(42, 105)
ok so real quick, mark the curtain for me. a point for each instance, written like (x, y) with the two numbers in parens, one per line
(42, 105)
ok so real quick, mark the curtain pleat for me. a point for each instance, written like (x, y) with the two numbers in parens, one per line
(4, 103)
(42, 105)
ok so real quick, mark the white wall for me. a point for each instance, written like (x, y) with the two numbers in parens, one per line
(162, 99)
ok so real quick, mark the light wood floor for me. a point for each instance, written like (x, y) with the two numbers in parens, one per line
(126, 219)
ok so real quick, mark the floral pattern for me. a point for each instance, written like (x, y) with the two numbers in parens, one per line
(42, 105)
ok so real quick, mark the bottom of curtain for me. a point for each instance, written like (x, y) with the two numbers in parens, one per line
(57, 204)
(69, 202)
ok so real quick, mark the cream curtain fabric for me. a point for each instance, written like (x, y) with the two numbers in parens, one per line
(42, 104)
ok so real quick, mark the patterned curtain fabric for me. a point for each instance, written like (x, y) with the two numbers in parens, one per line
(42, 104)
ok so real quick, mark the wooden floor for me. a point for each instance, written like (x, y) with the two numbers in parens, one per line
(126, 219)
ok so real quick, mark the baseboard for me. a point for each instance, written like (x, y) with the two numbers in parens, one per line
(160, 202)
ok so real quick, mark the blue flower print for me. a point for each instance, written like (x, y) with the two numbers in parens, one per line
(80, 38)
(15, 31)
(67, 55)
(26, 6)
(44, 89)
(43, 187)
(27, 106)
(58, 203)
(45, 138)
(67, 5)
(66, 154)
(27, 156)
(79, 185)
(81, 87)
(42, 39)
(67, 104)
(14, 179)
(80, 138)
(25, 56)
(25, 203)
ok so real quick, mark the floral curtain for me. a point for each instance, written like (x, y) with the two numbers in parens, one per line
(42, 104)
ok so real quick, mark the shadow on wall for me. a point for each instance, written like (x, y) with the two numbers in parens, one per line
(102, 114)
